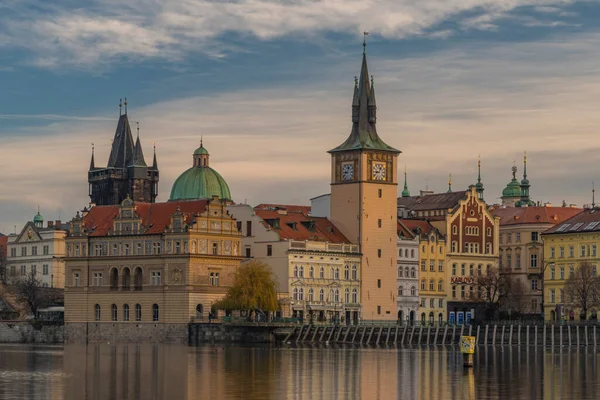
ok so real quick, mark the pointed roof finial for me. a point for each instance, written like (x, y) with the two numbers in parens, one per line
(92, 162)
(120, 106)
(365, 33)
(449, 183)
(356, 82)
(593, 195)
(125, 105)
(479, 169)
(202, 141)
(138, 128)
(405, 192)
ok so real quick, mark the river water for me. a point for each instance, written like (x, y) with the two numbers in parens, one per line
(244, 372)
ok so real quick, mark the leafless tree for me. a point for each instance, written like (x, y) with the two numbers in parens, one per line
(492, 290)
(29, 292)
(516, 296)
(582, 289)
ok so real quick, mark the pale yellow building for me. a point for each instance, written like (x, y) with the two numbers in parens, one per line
(566, 247)
(142, 272)
(364, 187)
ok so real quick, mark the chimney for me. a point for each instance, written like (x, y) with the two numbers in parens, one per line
(58, 224)
(50, 224)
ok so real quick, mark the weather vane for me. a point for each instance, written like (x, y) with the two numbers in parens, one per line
(365, 33)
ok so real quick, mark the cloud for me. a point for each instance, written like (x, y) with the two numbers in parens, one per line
(109, 31)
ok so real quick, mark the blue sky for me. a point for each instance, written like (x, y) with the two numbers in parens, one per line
(268, 84)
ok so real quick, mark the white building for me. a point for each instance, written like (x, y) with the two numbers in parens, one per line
(40, 250)
(408, 274)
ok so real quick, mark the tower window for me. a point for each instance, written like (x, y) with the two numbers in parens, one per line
(379, 223)
(379, 253)
(380, 192)
(379, 283)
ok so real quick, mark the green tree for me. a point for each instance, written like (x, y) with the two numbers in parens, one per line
(254, 288)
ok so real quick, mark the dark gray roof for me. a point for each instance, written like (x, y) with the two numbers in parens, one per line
(138, 155)
(121, 154)
(436, 201)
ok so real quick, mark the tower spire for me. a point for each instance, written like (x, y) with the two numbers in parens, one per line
(125, 105)
(92, 162)
(365, 34)
(154, 162)
(120, 107)
(479, 184)
(593, 195)
(449, 183)
(405, 192)
(525, 183)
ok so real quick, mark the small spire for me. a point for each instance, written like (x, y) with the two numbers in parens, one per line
(202, 141)
(479, 169)
(405, 192)
(154, 162)
(138, 129)
(525, 164)
(593, 195)
(92, 162)
(355, 82)
(125, 105)
(120, 107)
(365, 33)
(449, 183)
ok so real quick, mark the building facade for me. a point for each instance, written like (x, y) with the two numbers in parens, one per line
(38, 250)
(566, 247)
(143, 271)
(522, 250)
(408, 273)
(364, 186)
(317, 268)
(126, 174)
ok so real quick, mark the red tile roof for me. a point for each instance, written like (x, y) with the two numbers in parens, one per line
(3, 244)
(534, 215)
(155, 216)
(300, 226)
(416, 225)
(586, 221)
(291, 208)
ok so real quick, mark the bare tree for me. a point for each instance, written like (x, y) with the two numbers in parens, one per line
(582, 289)
(516, 296)
(492, 291)
(29, 292)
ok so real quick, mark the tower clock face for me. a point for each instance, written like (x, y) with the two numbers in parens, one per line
(379, 172)
(348, 172)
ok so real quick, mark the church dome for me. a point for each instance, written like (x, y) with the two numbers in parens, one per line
(513, 189)
(200, 181)
(38, 219)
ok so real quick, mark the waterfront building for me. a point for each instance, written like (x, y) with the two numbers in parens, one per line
(408, 272)
(126, 174)
(40, 250)
(471, 245)
(316, 266)
(3, 245)
(364, 186)
(566, 246)
(430, 284)
(143, 271)
(522, 248)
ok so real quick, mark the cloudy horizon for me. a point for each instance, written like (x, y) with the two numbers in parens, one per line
(268, 85)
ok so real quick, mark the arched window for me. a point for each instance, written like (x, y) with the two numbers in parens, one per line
(454, 247)
(401, 291)
(346, 295)
(126, 312)
(199, 311)
(155, 314)
(400, 253)
(336, 295)
(97, 311)
(423, 284)
(440, 286)
(322, 273)
(311, 272)
(412, 253)
(138, 279)
(354, 296)
(413, 272)
(488, 248)
(431, 285)
(301, 294)
(114, 279)
(138, 312)
(322, 295)
(454, 229)
(422, 317)
(400, 272)
(296, 271)
(311, 294)
(413, 291)
(489, 231)
(337, 274)
(354, 272)
(126, 280)
(347, 272)
(301, 271)
(114, 312)
(295, 294)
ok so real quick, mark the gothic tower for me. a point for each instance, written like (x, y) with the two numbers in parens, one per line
(364, 189)
(127, 173)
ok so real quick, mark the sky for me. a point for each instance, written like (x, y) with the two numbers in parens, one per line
(268, 85)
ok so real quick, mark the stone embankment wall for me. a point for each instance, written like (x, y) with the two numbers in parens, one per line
(26, 332)
(218, 333)
(126, 332)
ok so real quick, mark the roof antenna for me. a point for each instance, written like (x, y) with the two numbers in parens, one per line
(120, 106)
(365, 33)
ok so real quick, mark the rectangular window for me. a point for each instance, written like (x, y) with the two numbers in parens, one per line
(561, 294)
(76, 279)
(379, 283)
(518, 237)
(534, 236)
(571, 271)
(432, 303)
(508, 237)
(593, 250)
(13, 270)
(379, 253)
(562, 252)
(178, 247)
(34, 251)
(23, 251)
(248, 228)
(571, 251)
(379, 307)
(127, 249)
(534, 305)
(248, 252)
(215, 249)
(533, 263)
(453, 269)
(23, 270)
(423, 303)
(45, 269)
(269, 250)
(462, 292)
(156, 281)
(13, 252)
(440, 266)
(115, 249)
(214, 279)
(379, 223)
(471, 269)
(432, 266)
(552, 273)
(97, 250)
(518, 261)
(441, 303)
(34, 269)
(138, 250)
(508, 261)
(423, 265)
(534, 284)
(463, 269)
(379, 193)
(552, 252)
(97, 278)
(238, 225)
(552, 296)
(582, 251)
(453, 291)
(562, 272)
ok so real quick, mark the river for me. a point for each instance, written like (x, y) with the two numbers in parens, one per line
(261, 372)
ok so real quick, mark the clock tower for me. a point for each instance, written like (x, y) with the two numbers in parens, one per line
(364, 188)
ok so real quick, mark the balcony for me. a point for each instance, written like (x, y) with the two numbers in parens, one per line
(308, 245)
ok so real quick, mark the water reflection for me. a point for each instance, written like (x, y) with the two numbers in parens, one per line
(178, 372)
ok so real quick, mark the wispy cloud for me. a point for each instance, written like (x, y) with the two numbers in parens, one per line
(108, 30)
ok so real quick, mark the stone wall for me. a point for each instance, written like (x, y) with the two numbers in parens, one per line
(218, 333)
(115, 332)
(26, 332)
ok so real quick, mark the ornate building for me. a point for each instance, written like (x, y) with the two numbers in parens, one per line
(317, 268)
(409, 237)
(126, 174)
(200, 181)
(40, 250)
(142, 271)
(516, 194)
(364, 186)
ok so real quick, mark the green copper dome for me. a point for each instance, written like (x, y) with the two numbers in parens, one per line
(513, 189)
(200, 181)
(38, 218)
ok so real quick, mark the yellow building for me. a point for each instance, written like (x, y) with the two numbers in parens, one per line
(364, 187)
(566, 247)
(142, 271)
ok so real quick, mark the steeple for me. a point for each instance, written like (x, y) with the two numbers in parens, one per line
(449, 183)
(405, 192)
(121, 154)
(138, 153)
(364, 115)
(525, 183)
(92, 162)
(479, 185)
(154, 162)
